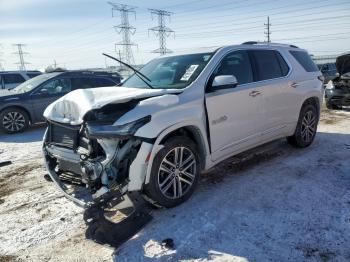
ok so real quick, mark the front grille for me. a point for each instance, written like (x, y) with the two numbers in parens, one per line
(64, 135)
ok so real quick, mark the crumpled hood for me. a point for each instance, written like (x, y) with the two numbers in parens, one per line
(72, 107)
(343, 64)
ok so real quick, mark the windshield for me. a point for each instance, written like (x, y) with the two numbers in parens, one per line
(33, 83)
(175, 72)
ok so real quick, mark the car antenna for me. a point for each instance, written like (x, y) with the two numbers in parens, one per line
(137, 72)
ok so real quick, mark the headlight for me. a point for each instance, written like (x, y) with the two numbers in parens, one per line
(110, 131)
(330, 85)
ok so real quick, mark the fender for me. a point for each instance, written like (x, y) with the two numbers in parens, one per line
(158, 146)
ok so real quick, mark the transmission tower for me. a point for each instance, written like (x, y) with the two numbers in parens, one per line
(125, 29)
(268, 31)
(21, 54)
(162, 31)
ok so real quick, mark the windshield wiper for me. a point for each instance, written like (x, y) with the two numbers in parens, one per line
(137, 72)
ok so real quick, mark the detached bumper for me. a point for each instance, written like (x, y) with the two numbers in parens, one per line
(337, 97)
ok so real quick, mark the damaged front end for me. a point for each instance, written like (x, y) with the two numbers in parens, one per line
(94, 159)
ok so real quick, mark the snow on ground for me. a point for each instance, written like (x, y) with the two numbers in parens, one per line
(274, 203)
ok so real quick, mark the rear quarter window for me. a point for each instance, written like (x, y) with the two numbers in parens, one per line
(13, 78)
(305, 61)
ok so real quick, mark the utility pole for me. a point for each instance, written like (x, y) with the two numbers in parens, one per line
(125, 29)
(268, 32)
(162, 31)
(21, 54)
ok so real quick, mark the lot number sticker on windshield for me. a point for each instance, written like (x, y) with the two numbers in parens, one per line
(189, 72)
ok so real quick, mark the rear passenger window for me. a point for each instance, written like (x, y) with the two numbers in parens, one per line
(238, 64)
(83, 83)
(99, 82)
(283, 64)
(305, 60)
(269, 64)
(13, 78)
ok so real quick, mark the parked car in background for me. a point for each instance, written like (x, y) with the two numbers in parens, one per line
(328, 70)
(337, 93)
(178, 116)
(26, 103)
(11, 79)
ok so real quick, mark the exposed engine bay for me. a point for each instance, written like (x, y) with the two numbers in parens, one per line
(95, 154)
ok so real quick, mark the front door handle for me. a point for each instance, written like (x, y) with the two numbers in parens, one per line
(294, 85)
(254, 93)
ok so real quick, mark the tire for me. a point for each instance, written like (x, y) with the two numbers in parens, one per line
(167, 176)
(306, 129)
(333, 107)
(13, 120)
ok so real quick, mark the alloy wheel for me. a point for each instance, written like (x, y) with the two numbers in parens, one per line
(13, 121)
(177, 172)
(308, 126)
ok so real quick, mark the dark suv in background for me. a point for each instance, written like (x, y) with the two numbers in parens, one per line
(337, 93)
(26, 103)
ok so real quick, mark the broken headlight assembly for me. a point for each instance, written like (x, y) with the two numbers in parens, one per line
(96, 130)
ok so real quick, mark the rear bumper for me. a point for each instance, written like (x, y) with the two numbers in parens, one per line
(337, 97)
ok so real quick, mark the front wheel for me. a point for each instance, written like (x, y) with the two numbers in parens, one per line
(306, 128)
(175, 172)
(13, 120)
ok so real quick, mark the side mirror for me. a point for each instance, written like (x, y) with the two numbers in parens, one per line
(224, 81)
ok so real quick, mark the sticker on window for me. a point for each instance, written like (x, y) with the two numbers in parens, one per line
(189, 72)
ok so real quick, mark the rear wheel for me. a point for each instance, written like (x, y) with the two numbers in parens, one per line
(175, 172)
(13, 120)
(306, 128)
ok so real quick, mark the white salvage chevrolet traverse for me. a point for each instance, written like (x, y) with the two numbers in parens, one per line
(178, 116)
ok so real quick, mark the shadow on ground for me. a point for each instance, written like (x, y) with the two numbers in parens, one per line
(273, 203)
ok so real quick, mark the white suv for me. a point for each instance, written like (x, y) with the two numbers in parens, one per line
(180, 115)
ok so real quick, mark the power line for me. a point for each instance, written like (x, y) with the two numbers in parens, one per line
(21, 54)
(125, 29)
(268, 32)
(162, 31)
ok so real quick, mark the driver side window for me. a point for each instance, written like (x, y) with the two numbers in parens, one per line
(57, 86)
(238, 64)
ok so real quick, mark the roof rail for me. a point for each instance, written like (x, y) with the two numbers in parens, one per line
(266, 43)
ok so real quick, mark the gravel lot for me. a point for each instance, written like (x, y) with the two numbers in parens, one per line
(274, 203)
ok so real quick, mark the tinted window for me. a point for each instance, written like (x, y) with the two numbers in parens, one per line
(268, 65)
(13, 78)
(283, 64)
(305, 60)
(31, 75)
(103, 82)
(83, 82)
(57, 86)
(238, 64)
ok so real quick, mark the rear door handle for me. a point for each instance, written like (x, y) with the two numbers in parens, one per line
(294, 85)
(254, 93)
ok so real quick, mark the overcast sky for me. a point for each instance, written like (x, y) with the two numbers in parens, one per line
(75, 33)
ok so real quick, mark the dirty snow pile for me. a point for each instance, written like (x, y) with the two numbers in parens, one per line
(274, 203)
